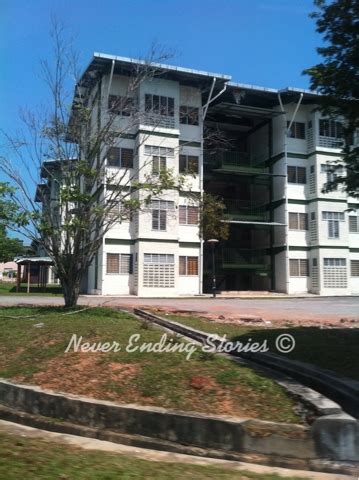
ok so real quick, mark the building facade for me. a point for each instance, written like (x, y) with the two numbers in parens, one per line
(266, 152)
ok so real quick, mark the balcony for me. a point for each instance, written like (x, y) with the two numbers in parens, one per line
(244, 210)
(157, 120)
(330, 142)
(243, 259)
(235, 162)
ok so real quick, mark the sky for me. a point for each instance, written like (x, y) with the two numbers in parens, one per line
(259, 42)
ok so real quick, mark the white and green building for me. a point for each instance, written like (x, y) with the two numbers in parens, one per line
(285, 234)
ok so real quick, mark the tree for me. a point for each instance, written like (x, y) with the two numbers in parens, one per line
(337, 78)
(81, 199)
(9, 217)
(211, 218)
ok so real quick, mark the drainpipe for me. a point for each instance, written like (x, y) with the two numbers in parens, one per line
(110, 80)
(286, 208)
(204, 113)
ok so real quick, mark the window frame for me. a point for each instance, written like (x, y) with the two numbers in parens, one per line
(297, 130)
(159, 105)
(184, 158)
(301, 265)
(298, 221)
(120, 263)
(121, 105)
(297, 172)
(184, 262)
(188, 115)
(186, 209)
(119, 157)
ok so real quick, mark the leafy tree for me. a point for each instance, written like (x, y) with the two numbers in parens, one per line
(337, 78)
(212, 214)
(81, 199)
(9, 217)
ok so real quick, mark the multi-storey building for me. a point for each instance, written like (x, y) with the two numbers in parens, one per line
(270, 163)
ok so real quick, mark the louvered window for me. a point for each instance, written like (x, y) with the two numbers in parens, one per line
(119, 263)
(297, 175)
(158, 270)
(120, 157)
(353, 224)
(298, 267)
(298, 221)
(188, 215)
(354, 268)
(188, 266)
(297, 130)
(158, 165)
(159, 213)
(188, 164)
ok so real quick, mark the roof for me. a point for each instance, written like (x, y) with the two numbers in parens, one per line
(33, 260)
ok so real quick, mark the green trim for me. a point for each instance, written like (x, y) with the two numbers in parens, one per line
(315, 247)
(317, 199)
(190, 144)
(117, 241)
(354, 250)
(306, 156)
(129, 136)
(158, 134)
(156, 240)
(189, 244)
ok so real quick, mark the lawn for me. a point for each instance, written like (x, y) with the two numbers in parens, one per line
(33, 341)
(335, 349)
(9, 288)
(36, 459)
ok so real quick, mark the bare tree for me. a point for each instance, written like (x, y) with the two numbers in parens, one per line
(70, 147)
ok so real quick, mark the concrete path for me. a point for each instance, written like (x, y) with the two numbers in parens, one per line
(300, 310)
(158, 456)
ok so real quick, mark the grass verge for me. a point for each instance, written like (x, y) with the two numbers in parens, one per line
(9, 288)
(32, 350)
(335, 349)
(36, 459)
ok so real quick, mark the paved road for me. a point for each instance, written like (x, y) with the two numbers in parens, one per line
(275, 309)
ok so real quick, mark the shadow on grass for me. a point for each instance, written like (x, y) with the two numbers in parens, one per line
(333, 349)
(10, 288)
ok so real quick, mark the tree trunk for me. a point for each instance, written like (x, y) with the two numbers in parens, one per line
(71, 293)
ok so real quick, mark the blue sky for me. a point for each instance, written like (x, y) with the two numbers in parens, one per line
(263, 42)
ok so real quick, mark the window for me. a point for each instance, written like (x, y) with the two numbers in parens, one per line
(159, 214)
(119, 263)
(335, 262)
(158, 270)
(354, 268)
(188, 215)
(330, 128)
(297, 175)
(335, 273)
(159, 151)
(159, 105)
(120, 157)
(119, 105)
(353, 224)
(298, 221)
(333, 219)
(158, 165)
(189, 115)
(188, 164)
(298, 267)
(297, 130)
(188, 266)
(332, 171)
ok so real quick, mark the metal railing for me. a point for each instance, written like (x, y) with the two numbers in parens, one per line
(330, 142)
(233, 257)
(156, 120)
(244, 209)
(235, 160)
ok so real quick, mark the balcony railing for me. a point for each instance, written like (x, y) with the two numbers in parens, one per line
(330, 142)
(156, 120)
(244, 210)
(244, 259)
(235, 161)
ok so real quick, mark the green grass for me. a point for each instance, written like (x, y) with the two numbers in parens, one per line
(9, 288)
(36, 459)
(334, 349)
(205, 383)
